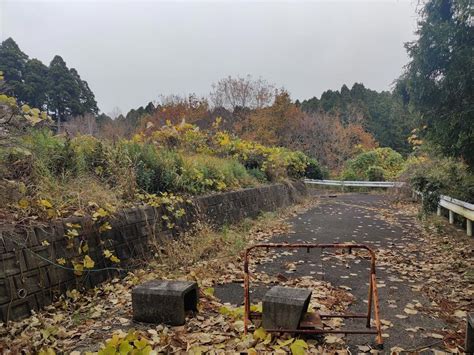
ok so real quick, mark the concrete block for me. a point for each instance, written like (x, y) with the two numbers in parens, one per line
(11, 264)
(38, 256)
(18, 309)
(469, 346)
(160, 301)
(60, 250)
(59, 275)
(132, 215)
(30, 282)
(45, 233)
(44, 298)
(7, 245)
(7, 290)
(284, 307)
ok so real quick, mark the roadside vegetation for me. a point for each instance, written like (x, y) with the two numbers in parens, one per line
(47, 176)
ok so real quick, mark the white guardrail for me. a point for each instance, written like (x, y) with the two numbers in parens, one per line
(354, 183)
(453, 205)
(459, 207)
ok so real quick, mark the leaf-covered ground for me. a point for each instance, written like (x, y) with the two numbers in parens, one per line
(419, 262)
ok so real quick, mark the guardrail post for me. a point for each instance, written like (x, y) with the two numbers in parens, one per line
(438, 211)
(469, 227)
(451, 217)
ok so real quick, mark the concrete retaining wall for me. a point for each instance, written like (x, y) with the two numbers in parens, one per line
(30, 277)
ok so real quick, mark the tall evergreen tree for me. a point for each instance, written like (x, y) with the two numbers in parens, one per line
(68, 95)
(85, 101)
(12, 64)
(56, 88)
(35, 83)
(439, 78)
(63, 90)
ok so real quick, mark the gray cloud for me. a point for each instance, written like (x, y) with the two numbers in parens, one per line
(130, 52)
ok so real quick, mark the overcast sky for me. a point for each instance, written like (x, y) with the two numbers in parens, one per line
(131, 52)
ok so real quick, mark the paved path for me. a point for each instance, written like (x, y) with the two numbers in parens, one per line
(352, 218)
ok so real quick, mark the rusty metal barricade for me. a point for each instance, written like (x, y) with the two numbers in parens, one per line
(373, 299)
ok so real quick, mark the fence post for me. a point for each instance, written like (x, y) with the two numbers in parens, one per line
(469, 227)
(438, 211)
(451, 217)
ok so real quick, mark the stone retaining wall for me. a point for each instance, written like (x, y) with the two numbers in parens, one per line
(30, 277)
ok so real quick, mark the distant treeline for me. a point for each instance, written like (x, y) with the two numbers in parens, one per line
(384, 114)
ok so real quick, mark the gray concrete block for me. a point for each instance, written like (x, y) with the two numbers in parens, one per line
(38, 256)
(18, 309)
(160, 301)
(469, 346)
(284, 307)
(7, 290)
(30, 282)
(12, 263)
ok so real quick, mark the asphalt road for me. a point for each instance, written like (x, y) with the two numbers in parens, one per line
(352, 218)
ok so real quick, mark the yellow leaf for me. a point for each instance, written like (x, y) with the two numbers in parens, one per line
(256, 308)
(22, 188)
(114, 259)
(78, 269)
(51, 213)
(73, 225)
(61, 261)
(140, 344)
(107, 253)
(45, 243)
(71, 233)
(45, 203)
(260, 333)
(23, 203)
(100, 213)
(285, 343)
(32, 119)
(114, 341)
(298, 347)
(88, 262)
(105, 227)
(209, 291)
(47, 351)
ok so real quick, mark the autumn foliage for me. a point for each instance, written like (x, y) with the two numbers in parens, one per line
(320, 135)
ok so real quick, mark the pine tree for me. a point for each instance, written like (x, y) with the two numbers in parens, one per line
(63, 90)
(12, 64)
(35, 83)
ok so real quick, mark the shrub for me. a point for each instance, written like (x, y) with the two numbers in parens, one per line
(376, 173)
(203, 173)
(52, 154)
(380, 163)
(258, 174)
(313, 170)
(349, 174)
(435, 175)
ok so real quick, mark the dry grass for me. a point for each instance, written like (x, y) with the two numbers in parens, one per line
(204, 243)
